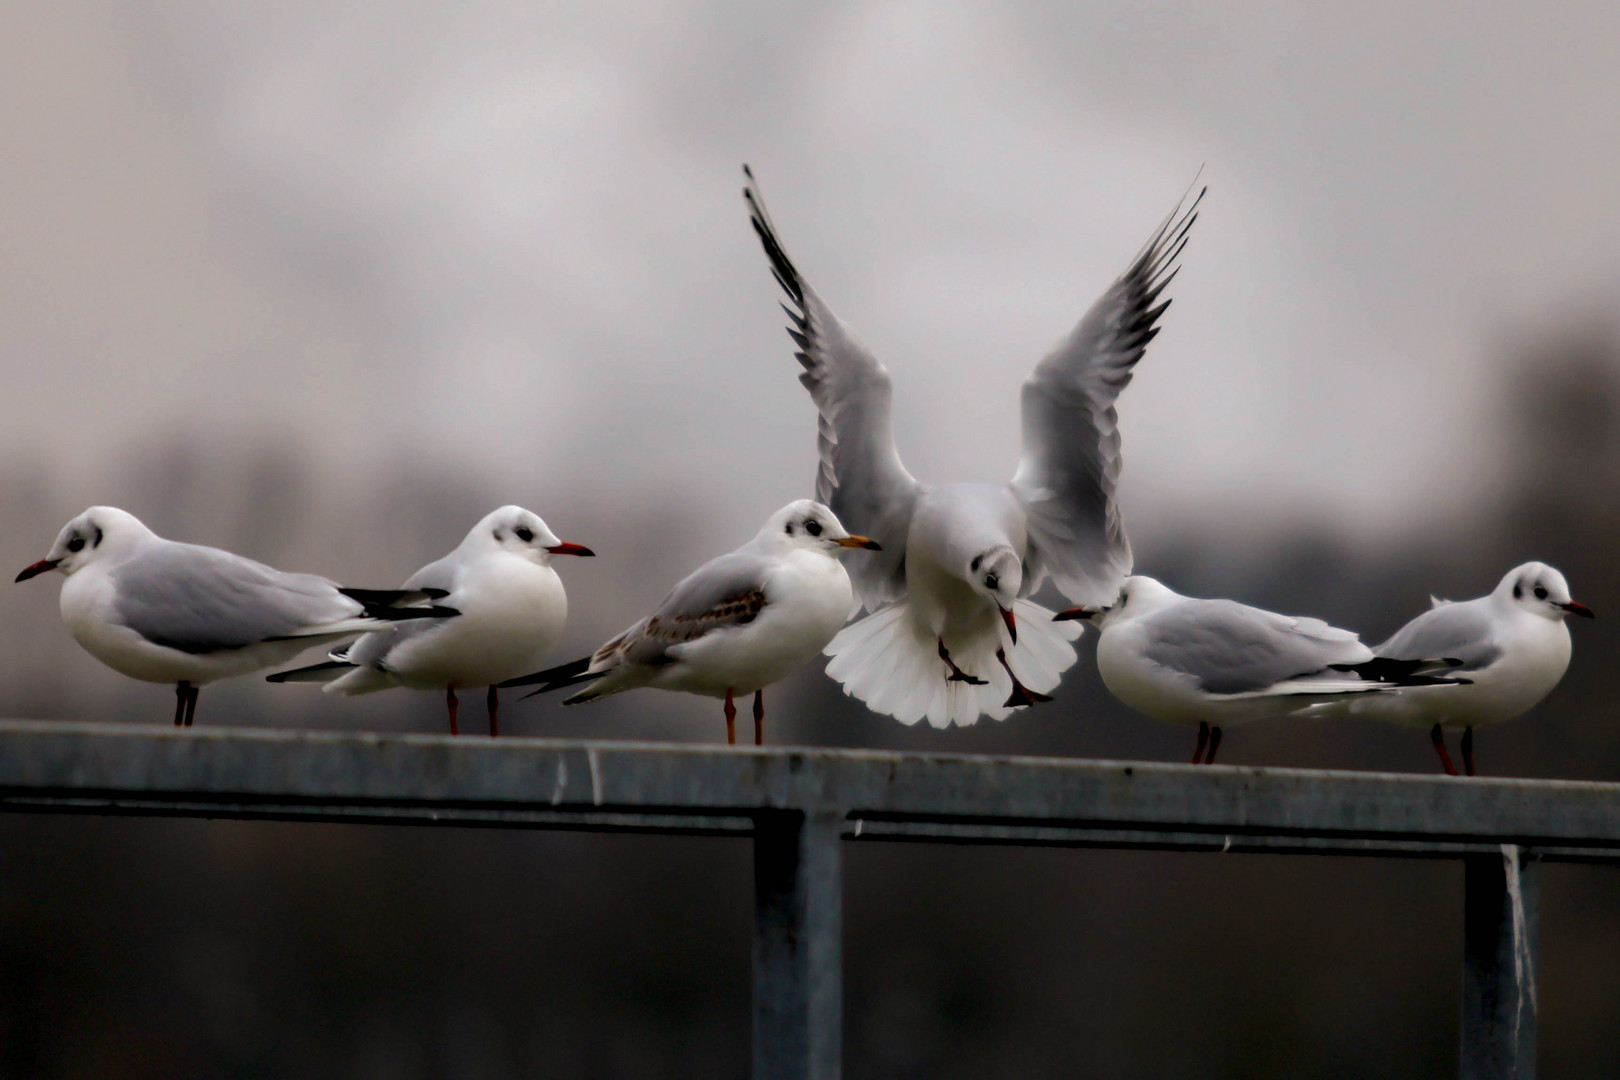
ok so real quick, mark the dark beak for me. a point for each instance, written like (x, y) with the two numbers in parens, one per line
(1012, 625)
(860, 542)
(1075, 613)
(50, 564)
(570, 549)
(1572, 607)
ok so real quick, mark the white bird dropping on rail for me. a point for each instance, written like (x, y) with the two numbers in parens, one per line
(736, 624)
(512, 611)
(951, 634)
(1216, 663)
(1512, 645)
(162, 611)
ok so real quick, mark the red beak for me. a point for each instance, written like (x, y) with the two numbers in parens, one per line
(1012, 625)
(38, 568)
(1572, 607)
(570, 549)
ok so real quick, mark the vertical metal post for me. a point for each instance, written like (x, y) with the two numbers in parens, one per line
(1499, 975)
(798, 946)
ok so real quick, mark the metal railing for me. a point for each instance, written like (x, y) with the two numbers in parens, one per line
(799, 806)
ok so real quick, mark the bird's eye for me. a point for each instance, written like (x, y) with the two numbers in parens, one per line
(524, 534)
(1541, 593)
(813, 528)
(76, 544)
(991, 581)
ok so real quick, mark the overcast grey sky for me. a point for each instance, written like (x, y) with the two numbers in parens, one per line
(508, 236)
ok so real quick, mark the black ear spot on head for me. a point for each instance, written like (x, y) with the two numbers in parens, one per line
(1517, 591)
(974, 565)
(499, 536)
(790, 528)
(97, 541)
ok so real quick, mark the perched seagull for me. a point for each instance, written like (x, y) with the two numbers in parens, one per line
(512, 607)
(950, 633)
(1512, 646)
(1216, 663)
(736, 624)
(162, 611)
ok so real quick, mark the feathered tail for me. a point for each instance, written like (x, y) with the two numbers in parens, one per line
(893, 665)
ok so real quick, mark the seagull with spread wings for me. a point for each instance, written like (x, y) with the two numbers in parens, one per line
(951, 633)
(734, 625)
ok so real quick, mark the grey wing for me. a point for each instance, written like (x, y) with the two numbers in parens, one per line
(1069, 471)
(860, 476)
(1230, 648)
(201, 600)
(1446, 631)
(725, 592)
(372, 649)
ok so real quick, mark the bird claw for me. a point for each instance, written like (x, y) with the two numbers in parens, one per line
(1022, 695)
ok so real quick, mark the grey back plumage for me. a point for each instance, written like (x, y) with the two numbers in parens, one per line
(1231, 648)
(201, 600)
(725, 592)
(1461, 631)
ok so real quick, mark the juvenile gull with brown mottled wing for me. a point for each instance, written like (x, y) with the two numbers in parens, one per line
(736, 624)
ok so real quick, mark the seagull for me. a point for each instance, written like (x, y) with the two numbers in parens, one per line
(167, 612)
(1216, 663)
(512, 607)
(733, 626)
(1512, 645)
(950, 633)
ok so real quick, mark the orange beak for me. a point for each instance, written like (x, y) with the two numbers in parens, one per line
(860, 542)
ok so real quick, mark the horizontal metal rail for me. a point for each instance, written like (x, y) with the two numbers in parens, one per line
(799, 804)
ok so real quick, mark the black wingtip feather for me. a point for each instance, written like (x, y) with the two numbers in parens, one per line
(562, 671)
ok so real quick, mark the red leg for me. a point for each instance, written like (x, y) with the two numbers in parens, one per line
(180, 696)
(1021, 694)
(494, 703)
(451, 703)
(731, 720)
(1214, 745)
(1203, 741)
(759, 717)
(1439, 741)
(1468, 750)
(957, 674)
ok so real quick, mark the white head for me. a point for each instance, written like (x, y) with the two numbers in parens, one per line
(520, 532)
(810, 525)
(100, 533)
(1139, 595)
(996, 573)
(1539, 589)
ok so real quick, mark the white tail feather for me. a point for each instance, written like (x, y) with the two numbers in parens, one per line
(891, 663)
